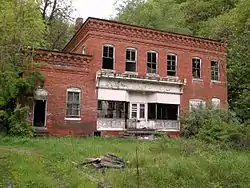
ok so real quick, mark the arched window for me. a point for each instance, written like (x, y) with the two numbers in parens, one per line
(171, 64)
(108, 56)
(196, 68)
(73, 103)
(131, 59)
(152, 61)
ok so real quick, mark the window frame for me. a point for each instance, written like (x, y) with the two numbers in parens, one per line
(213, 80)
(74, 90)
(213, 101)
(172, 54)
(194, 78)
(84, 50)
(203, 102)
(136, 60)
(152, 51)
(109, 45)
(138, 110)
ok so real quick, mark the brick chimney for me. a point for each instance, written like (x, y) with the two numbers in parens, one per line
(78, 24)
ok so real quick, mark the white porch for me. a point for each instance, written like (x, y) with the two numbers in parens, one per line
(126, 102)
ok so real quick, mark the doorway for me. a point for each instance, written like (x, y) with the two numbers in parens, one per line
(39, 113)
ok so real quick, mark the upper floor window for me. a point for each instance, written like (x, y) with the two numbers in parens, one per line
(151, 62)
(131, 59)
(214, 70)
(73, 103)
(84, 50)
(171, 65)
(108, 57)
(196, 68)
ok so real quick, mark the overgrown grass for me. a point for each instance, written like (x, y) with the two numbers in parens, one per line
(163, 163)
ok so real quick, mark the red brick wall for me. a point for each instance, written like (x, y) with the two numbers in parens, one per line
(73, 71)
(203, 89)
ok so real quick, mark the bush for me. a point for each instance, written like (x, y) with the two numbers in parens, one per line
(197, 118)
(18, 123)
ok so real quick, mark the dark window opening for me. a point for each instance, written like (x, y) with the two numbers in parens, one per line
(73, 104)
(108, 57)
(214, 70)
(131, 60)
(112, 109)
(142, 111)
(39, 113)
(157, 111)
(196, 68)
(171, 65)
(151, 62)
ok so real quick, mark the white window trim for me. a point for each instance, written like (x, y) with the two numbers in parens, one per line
(138, 111)
(136, 60)
(213, 101)
(218, 71)
(201, 75)
(176, 64)
(152, 51)
(196, 101)
(109, 45)
(76, 90)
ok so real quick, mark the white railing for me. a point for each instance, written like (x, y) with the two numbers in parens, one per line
(165, 125)
(110, 124)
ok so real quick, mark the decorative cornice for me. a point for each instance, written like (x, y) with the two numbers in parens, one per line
(60, 58)
(147, 34)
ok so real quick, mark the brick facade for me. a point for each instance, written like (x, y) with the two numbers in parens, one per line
(71, 69)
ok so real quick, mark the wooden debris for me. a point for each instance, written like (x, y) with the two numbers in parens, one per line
(106, 161)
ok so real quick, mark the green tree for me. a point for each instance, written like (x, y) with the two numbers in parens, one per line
(21, 26)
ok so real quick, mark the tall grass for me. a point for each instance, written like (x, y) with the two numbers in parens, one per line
(162, 163)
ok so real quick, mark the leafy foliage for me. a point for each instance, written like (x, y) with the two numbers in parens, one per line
(21, 25)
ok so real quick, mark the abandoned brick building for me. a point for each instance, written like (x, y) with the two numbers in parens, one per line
(113, 76)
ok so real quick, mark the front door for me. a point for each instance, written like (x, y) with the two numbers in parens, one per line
(39, 113)
(138, 115)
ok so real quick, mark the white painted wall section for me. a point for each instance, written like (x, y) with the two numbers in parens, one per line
(112, 95)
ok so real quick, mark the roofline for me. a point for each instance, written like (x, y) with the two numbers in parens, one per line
(61, 52)
(152, 29)
(141, 27)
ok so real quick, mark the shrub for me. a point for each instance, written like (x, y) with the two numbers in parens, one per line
(193, 121)
(18, 123)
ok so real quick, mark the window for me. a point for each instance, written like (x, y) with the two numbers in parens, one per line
(111, 109)
(134, 111)
(158, 111)
(196, 104)
(131, 59)
(152, 62)
(108, 57)
(196, 68)
(214, 70)
(84, 50)
(171, 65)
(73, 103)
(142, 111)
(215, 103)
(138, 111)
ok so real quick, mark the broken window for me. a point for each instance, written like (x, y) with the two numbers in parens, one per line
(214, 70)
(171, 65)
(108, 57)
(131, 60)
(196, 104)
(111, 109)
(215, 103)
(196, 68)
(151, 62)
(73, 102)
(157, 111)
